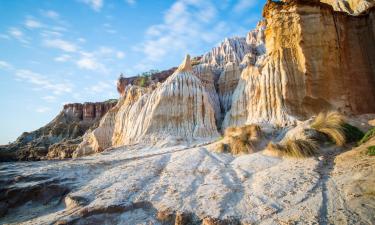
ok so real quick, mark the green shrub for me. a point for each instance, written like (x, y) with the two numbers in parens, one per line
(368, 136)
(352, 133)
(371, 150)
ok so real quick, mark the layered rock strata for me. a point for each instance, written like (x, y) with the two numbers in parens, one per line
(317, 59)
(60, 137)
(180, 109)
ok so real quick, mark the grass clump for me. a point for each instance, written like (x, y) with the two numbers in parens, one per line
(331, 124)
(352, 133)
(369, 134)
(371, 151)
(297, 148)
(242, 140)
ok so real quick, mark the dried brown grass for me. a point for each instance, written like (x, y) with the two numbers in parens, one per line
(242, 140)
(297, 148)
(331, 124)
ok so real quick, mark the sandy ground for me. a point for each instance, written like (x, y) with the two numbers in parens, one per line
(134, 185)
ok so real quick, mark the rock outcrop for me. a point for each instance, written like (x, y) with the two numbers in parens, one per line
(229, 58)
(154, 78)
(204, 72)
(180, 109)
(317, 59)
(104, 136)
(353, 7)
(60, 137)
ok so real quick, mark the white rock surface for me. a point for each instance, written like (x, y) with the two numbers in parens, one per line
(129, 185)
(180, 109)
(204, 72)
(258, 99)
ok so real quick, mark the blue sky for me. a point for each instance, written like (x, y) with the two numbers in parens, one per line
(58, 51)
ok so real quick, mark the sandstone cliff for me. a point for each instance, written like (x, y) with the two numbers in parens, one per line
(354, 7)
(229, 58)
(60, 137)
(180, 109)
(317, 59)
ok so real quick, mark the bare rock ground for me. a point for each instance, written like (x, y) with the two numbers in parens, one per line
(189, 185)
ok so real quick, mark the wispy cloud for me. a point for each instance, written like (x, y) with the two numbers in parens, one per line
(51, 14)
(61, 44)
(109, 28)
(49, 98)
(18, 35)
(130, 2)
(120, 55)
(5, 65)
(90, 63)
(62, 58)
(41, 82)
(94, 4)
(43, 109)
(187, 24)
(32, 23)
(243, 5)
(100, 87)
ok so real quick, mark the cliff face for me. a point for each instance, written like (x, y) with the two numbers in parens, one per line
(228, 60)
(353, 7)
(180, 109)
(60, 137)
(317, 59)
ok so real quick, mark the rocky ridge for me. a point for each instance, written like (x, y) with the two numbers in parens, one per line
(60, 137)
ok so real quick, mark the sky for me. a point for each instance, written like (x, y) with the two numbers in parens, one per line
(54, 52)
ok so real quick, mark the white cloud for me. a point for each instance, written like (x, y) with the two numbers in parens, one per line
(49, 98)
(94, 4)
(130, 2)
(32, 23)
(89, 63)
(243, 5)
(187, 25)
(5, 65)
(51, 14)
(100, 87)
(42, 83)
(120, 55)
(43, 109)
(62, 58)
(50, 34)
(82, 40)
(61, 44)
(109, 29)
(17, 34)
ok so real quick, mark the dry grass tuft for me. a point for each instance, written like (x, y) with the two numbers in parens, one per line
(299, 148)
(331, 124)
(242, 140)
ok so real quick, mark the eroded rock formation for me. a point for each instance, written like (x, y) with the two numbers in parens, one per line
(60, 137)
(178, 109)
(353, 7)
(317, 59)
